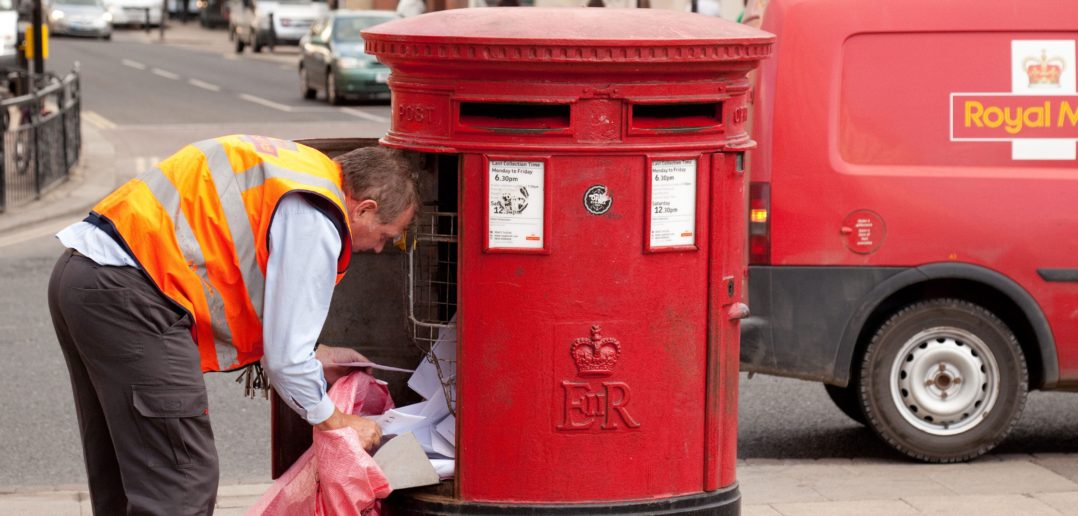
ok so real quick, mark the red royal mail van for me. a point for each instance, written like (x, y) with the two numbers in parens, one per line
(914, 212)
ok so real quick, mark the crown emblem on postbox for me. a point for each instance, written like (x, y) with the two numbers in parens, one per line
(1045, 71)
(595, 356)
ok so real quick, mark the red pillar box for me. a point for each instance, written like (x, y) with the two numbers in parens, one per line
(601, 198)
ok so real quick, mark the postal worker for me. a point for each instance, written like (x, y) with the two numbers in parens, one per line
(222, 256)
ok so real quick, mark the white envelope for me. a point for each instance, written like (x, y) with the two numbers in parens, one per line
(447, 428)
(444, 467)
(401, 420)
(442, 446)
(425, 380)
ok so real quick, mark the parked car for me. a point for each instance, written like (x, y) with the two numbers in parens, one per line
(133, 13)
(213, 13)
(9, 34)
(909, 248)
(79, 18)
(265, 23)
(332, 59)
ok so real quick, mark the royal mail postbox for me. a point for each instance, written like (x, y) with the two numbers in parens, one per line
(592, 161)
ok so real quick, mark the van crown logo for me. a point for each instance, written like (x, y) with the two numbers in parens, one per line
(597, 200)
(1045, 71)
(595, 356)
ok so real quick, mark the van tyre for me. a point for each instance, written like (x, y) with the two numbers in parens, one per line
(943, 381)
(847, 399)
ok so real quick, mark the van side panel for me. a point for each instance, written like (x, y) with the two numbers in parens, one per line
(871, 129)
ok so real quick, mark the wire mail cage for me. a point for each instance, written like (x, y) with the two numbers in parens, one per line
(432, 294)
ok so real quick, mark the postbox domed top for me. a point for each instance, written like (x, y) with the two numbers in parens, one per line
(568, 34)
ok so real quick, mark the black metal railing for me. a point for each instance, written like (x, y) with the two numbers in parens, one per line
(42, 139)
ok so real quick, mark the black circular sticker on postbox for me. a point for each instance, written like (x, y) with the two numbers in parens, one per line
(597, 200)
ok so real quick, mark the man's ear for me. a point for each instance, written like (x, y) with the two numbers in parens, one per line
(366, 205)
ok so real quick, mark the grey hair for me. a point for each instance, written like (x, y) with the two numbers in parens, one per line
(386, 176)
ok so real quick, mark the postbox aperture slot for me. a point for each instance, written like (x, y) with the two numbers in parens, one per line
(511, 117)
(677, 117)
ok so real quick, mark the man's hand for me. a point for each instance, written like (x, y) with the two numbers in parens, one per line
(330, 356)
(369, 432)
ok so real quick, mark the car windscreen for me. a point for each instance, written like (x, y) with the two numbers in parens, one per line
(346, 28)
(78, 2)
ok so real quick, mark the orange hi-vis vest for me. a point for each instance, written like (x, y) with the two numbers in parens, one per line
(198, 223)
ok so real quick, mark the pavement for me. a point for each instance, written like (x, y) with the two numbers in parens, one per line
(1005, 485)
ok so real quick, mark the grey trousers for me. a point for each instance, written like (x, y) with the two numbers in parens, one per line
(139, 394)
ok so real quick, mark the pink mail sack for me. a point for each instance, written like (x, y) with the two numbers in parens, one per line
(335, 476)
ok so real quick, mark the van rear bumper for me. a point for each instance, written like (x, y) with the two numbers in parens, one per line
(799, 317)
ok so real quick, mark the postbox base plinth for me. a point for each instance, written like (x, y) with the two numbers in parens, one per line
(724, 502)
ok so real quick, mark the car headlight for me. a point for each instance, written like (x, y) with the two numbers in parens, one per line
(56, 15)
(350, 62)
(107, 17)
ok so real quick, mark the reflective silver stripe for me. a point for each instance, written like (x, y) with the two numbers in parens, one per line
(256, 176)
(161, 188)
(169, 198)
(239, 225)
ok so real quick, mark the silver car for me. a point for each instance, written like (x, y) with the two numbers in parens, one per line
(80, 18)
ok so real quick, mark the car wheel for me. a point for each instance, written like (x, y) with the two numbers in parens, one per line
(256, 44)
(847, 400)
(331, 89)
(943, 381)
(305, 84)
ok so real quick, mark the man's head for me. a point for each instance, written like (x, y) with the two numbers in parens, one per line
(381, 195)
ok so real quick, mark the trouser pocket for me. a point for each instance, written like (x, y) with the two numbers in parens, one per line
(175, 425)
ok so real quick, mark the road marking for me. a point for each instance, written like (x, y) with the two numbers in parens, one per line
(143, 163)
(204, 85)
(365, 115)
(98, 120)
(39, 231)
(165, 73)
(268, 103)
(133, 64)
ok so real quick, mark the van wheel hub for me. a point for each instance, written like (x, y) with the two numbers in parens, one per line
(946, 381)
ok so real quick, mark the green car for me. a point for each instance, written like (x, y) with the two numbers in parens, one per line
(332, 58)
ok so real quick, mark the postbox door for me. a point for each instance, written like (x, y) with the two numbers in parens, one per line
(587, 347)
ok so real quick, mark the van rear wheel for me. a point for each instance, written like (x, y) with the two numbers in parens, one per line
(943, 381)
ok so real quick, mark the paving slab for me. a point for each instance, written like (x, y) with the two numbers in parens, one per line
(1065, 503)
(764, 487)
(1062, 464)
(848, 508)
(759, 510)
(982, 505)
(1003, 477)
(45, 504)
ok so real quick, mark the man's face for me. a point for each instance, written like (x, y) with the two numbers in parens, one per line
(368, 232)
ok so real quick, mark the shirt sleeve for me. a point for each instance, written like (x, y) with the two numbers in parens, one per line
(300, 276)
